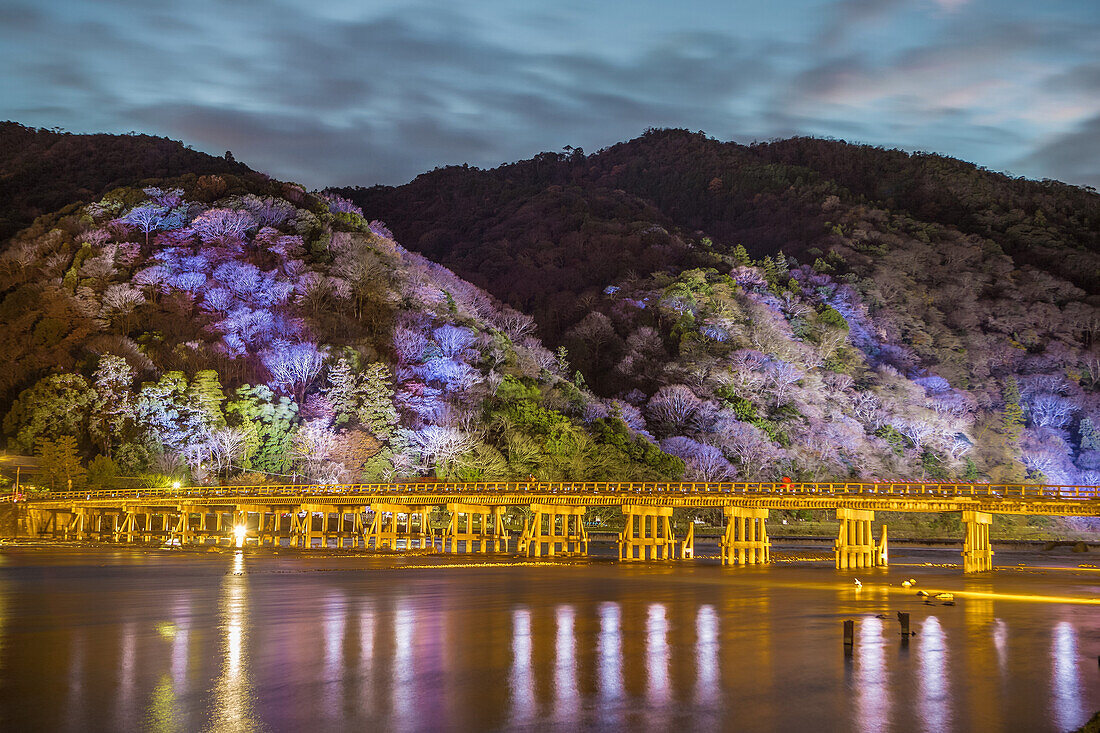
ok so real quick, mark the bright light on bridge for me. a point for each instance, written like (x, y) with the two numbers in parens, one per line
(239, 533)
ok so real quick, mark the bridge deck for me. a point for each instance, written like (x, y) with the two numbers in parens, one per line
(912, 497)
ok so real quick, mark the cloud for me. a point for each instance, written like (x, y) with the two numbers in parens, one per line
(1073, 157)
(359, 94)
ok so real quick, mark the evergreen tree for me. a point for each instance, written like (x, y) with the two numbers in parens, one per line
(112, 417)
(269, 424)
(206, 396)
(60, 465)
(1090, 436)
(1012, 416)
(741, 255)
(56, 405)
(344, 391)
(376, 411)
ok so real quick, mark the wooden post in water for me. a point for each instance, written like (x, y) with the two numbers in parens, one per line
(849, 636)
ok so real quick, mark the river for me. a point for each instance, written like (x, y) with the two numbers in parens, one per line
(125, 640)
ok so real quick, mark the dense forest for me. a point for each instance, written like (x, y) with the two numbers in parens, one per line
(669, 307)
(961, 282)
(42, 171)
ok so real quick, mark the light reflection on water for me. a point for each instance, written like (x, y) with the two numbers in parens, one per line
(523, 685)
(935, 705)
(241, 642)
(706, 657)
(872, 683)
(1066, 697)
(565, 666)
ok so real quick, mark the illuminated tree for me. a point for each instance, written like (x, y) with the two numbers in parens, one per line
(60, 466)
(56, 405)
(293, 366)
(112, 417)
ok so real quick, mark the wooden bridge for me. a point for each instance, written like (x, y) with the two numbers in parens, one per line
(396, 516)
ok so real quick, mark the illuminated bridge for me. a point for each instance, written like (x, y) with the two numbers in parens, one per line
(396, 516)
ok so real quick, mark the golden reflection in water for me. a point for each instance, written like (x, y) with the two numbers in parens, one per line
(522, 682)
(979, 700)
(707, 681)
(163, 713)
(233, 705)
(566, 697)
(656, 655)
(934, 704)
(1066, 687)
(872, 684)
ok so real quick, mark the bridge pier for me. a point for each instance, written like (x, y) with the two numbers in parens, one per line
(647, 533)
(745, 541)
(977, 550)
(486, 535)
(855, 546)
(555, 526)
(386, 528)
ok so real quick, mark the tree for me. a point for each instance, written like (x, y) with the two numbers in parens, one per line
(1012, 415)
(377, 412)
(60, 465)
(343, 391)
(112, 417)
(102, 472)
(673, 405)
(56, 405)
(269, 427)
(293, 366)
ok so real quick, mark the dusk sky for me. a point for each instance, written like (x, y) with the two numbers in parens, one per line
(353, 92)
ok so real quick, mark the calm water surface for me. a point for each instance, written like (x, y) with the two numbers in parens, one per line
(120, 641)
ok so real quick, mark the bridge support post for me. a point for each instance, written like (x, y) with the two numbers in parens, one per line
(745, 541)
(977, 550)
(554, 526)
(855, 546)
(647, 533)
(394, 522)
(687, 547)
(486, 535)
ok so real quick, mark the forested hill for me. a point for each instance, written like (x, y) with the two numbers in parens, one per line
(42, 171)
(659, 263)
(711, 311)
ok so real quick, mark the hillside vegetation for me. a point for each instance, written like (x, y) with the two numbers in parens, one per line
(941, 316)
(42, 171)
(243, 330)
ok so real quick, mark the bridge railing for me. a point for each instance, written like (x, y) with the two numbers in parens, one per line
(321, 492)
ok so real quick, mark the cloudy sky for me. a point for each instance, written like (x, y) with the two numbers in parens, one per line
(332, 92)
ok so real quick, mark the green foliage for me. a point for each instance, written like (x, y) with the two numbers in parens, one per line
(59, 463)
(102, 472)
(831, 317)
(932, 465)
(269, 422)
(614, 432)
(896, 440)
(56, 405)
(741, 255)
(376, 410)
(970, 473)
(205, 395)
(1012, 414)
